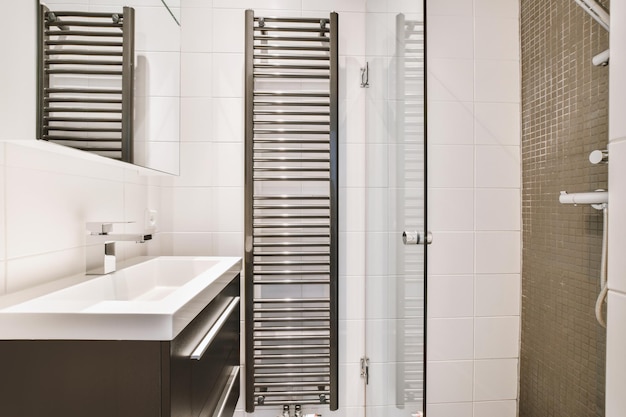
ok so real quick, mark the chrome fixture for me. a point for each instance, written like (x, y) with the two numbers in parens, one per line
(365, 75)
(596, 11)
(417, 238)
(100, 251)
(599, 156)
(602, 59)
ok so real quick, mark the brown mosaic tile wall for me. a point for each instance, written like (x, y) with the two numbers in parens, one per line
(564, 118)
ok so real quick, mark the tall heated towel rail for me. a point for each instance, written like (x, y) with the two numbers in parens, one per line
(86, 73)
(291, 211)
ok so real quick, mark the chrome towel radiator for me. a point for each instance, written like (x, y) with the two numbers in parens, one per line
(86, 72)
(291, 215)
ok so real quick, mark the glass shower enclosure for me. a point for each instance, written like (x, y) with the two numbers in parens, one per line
(393, 367)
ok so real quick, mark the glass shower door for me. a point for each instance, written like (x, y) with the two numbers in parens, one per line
(396, 217)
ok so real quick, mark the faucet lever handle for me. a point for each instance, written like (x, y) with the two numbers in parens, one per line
(102, 228)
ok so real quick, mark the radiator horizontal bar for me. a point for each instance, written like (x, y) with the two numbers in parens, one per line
(82, 100)
(295, 402)
(266, 131)
(290, 254)
(82, 129)
(291, 197)
(291, 75)
(290, 159)
(291, 178)
(275, 329)
(291, 29)
(320, 94)
(292, 383)
(63, 90)
(291, 141)
(287, 244)
(291, 365)
(107, 34)
(257, 338)
(57, 61)
(292, 19)
(292, 264)
(282, 393)
(292, 122)
(290, 150)
(282, 38)
(75, 42)
(290, 113)
(289, 319)
(291, 235)
(91, 52)
(83, 72)
(291, 281)
(290, 207)
(82, 120)
(290, 300)
(292, 375)
(80, 110)
(291, 309)
(84, 23)
(292, 103)
(290, 273)
(294, 57)
(277, 47)
(79, 139)
(293, 67)
(73, 13)
(282, 169)
(291, 347)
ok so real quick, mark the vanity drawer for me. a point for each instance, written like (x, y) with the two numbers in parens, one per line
(204, 354)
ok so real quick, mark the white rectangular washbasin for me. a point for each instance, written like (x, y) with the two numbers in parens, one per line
(152, 300)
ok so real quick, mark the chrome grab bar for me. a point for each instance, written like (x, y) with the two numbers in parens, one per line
(417, 238)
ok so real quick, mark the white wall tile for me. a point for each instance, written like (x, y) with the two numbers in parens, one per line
(351, 165)
(497, 81)
(495, 409)
(196, 34)
(351, 214)
(450, 339)
(450, 296)
(227, 209)
(158, 74)
(27, 272)
(155, 30)
(196, 75)
(497, 295)
(450, 8)
(498, 209)
(451, 209)
(497, 8)
(227, 164)
(228, 244)
(449, 410)
(617, 224)
(495, 379)
(498, 167)
(227, 124)
(497, 124)
(187, 244)
(228, 75)
(353, 307)
(451, 254)
(450, 80)
(450, 37)
(449, 382)
(450, 123)
(336, 5)
(451, 166)
(498, 252)
(189, 209)
(228, 30)
(496, 337)
(195, 113)
(496, 38)
(615, 358)
(352, 33)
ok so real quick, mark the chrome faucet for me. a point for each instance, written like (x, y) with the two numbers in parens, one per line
(100, 248)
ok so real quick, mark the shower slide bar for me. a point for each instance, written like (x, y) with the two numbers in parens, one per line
(291, 211)
(71, 46)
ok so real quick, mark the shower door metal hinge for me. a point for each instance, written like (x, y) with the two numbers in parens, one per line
(365, 369)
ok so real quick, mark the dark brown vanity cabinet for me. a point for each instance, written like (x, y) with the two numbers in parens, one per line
(109, 378)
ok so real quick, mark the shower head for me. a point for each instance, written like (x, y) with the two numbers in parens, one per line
(596, 11)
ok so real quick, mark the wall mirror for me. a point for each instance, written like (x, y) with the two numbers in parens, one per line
(84, 84)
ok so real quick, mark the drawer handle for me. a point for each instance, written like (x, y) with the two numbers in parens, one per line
(221, 406)
(208, 338)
